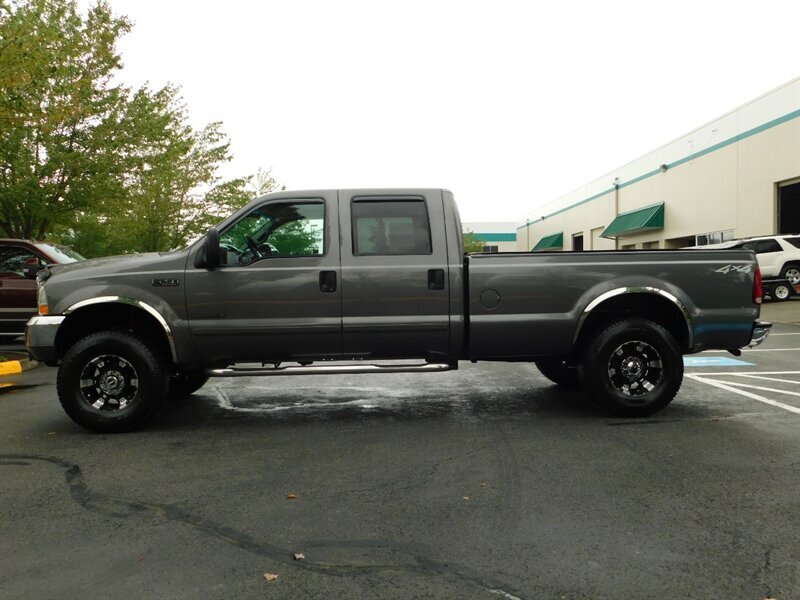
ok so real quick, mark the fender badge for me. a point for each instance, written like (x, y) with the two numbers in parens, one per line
(165, 282)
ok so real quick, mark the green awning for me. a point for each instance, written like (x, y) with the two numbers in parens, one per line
(635, 221)
(549, 242)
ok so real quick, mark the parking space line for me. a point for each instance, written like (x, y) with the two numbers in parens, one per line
(766, 378)
(759, 350)
(744, 393)
(774, 334)
(763, 389)
(768, 349)
(752, 373)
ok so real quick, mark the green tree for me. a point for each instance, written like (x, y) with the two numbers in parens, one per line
(263, 182)
(98, 165)
(471, 242)
(172, 191)
(61, 129)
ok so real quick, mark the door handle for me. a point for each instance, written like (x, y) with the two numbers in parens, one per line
(435, 279)
(327, 281)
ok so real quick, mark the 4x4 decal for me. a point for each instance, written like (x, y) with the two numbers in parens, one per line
(735, 268)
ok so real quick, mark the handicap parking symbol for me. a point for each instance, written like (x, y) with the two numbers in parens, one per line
(713, 361)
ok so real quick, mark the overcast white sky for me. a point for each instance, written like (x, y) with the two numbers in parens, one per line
(508, 104)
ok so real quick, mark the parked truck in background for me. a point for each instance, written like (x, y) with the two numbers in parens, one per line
(328, 281)
(19, 262)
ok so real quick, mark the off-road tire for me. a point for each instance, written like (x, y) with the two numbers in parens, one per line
(633, 368)
(561, 372)
(111, 381)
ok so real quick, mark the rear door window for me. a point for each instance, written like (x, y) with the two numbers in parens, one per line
(390, 227)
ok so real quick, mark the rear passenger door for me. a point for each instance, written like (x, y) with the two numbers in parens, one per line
(395, 292)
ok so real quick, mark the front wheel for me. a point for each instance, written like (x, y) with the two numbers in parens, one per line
(633, 368)
(110, 382)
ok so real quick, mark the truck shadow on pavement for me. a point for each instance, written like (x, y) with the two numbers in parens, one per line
(215, 405)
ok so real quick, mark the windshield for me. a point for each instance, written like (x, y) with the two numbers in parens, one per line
(62, 253)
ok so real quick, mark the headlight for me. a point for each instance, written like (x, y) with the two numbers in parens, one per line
(41, 298)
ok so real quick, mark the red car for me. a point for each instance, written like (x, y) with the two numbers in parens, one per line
(20, 260)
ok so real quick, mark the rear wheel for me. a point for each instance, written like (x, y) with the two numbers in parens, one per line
(559, 371)
(633, 368)
(111, 381)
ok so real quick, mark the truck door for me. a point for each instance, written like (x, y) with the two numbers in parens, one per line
(395, 289)
(277, 294)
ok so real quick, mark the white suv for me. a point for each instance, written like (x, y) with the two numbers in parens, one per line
(778, 255)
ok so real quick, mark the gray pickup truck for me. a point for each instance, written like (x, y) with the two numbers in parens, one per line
(328, 281)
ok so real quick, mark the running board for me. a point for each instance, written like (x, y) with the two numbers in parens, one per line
(330, 370)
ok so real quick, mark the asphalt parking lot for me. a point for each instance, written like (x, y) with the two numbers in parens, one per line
(488, 482)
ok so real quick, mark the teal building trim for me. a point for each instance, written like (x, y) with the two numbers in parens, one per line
(496, 237)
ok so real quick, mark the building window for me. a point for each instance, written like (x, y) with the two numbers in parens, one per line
(717, 237)
(490, 249)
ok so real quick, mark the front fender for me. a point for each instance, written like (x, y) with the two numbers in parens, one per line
(132, 302)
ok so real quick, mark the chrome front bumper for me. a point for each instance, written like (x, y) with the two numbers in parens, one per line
(760, 333)
(40, 337)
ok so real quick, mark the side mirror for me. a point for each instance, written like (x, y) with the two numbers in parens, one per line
(31, 267)
(208, 257)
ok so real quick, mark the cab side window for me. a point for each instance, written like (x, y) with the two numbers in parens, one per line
(275, 229)
(12, 261)
(390, 227)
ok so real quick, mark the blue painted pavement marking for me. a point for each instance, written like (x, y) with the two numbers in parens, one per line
(712, 361)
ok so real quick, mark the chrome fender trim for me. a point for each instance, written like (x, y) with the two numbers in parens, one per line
(132, 302)
(636, 290)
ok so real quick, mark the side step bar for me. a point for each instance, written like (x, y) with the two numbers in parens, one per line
(330, 369)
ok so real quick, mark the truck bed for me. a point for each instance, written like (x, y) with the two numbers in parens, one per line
(523, 305)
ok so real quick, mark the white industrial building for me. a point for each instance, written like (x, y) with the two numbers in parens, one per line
(738, 176)
(497, 236)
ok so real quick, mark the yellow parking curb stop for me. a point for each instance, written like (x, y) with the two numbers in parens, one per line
(10, 367)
